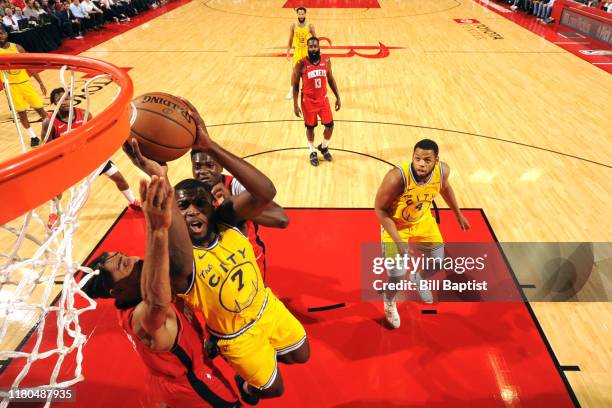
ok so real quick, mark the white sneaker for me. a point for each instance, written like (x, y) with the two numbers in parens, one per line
(425, 294)
(392, 315)
(513, 8)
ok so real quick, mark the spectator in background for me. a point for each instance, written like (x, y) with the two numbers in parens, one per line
(30, 12)
(109, 13)
(18, 3)
(71, 26)
(38, 8)
(19, 14)
(51, 17)
(528, 6)
(9, 20)
(93, 11)
(113, 11)
(48, 9)
(3, 6)
(119, 7)
(77, 11)
(543, 13)
(131, 6)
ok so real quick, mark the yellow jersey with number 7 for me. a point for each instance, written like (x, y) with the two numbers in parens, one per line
(227, 286)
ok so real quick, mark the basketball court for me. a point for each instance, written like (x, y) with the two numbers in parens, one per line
(521, 122)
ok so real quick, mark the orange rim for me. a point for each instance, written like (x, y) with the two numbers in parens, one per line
(30, 179)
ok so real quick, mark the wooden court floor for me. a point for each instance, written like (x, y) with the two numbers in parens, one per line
(522, 123)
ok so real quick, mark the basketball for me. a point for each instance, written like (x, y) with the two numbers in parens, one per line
(163, 127)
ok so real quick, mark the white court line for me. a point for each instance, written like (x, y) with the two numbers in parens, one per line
(570, 42)
(601, 63)
(564, 36)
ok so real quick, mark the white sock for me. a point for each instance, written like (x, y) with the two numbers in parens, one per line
(311, 146)
(31, 132)
(129, 195)
(52, 207)
(324, 143)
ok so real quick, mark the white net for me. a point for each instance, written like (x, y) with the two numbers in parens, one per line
(38, 279)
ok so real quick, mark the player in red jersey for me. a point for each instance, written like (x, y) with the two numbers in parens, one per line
(166, 336)
(60, 126)
(315, 72)
(224, 186)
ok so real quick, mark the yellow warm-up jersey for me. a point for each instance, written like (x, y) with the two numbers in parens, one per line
(300, 37)
(15, 76)
(415, 202)
(228, 287)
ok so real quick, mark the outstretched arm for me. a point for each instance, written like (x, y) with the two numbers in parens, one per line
(447, 193)
(390, 188)
(260, 189)
(154, 321)
(179, 243)
(273, 216)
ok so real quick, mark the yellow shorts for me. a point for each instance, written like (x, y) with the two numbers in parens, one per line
(253, 354)
(425, 233)
(24, 95)
(298, 54)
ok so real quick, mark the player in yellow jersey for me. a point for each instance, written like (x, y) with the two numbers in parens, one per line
(250, 325)
(403, 206)
(298, 40)
(22, 91)
(213, 267)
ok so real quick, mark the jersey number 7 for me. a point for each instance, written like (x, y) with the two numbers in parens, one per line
(238, 274)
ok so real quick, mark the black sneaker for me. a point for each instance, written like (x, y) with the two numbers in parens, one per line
(34, 141)
(325, 152)
(247, 398)
(314, 160)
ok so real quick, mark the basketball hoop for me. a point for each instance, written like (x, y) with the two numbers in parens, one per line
(26, 182)
(60, 163)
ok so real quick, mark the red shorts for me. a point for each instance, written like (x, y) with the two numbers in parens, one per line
(209, 389)
(311, 108)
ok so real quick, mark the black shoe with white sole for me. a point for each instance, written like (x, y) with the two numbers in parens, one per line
(325, 152)
(314, 160)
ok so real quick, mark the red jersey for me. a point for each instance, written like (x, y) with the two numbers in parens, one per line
(60, 127)
(181, 376)
(251, 233)
(314, 78)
